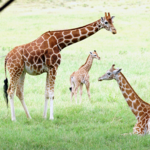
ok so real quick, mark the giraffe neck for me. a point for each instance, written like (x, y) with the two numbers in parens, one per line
(88, 64)
(136, 104)
(70, 36)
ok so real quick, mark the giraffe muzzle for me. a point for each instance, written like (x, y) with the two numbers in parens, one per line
(100, 79)
(114, 31)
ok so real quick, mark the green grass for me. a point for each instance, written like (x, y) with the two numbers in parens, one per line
(96, 124)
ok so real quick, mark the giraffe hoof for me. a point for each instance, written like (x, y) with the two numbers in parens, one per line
(29, 117)
(13, 119)
(51, 118)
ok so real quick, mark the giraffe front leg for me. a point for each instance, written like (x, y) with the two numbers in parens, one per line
(51, 106)
(87, 84)
(47, 91)
(52, 76)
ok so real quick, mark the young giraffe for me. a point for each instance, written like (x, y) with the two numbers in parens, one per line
(140, 108)
(81, 77)
(43, 55)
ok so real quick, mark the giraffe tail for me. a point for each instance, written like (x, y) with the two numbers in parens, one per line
(5, 87)
(71, 77)
(70, 89)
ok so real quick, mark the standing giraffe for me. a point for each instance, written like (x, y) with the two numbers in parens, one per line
(43, 55)
(81, 77)
(140, 108)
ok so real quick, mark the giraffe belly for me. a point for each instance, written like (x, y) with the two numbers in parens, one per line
(35, 69)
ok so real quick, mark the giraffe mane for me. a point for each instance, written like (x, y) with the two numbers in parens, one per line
(75, 28)
(134, 91)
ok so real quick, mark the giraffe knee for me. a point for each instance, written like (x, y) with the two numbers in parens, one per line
(10, 91)
(19, 94)
(80, 92)
(75, 92)
(47, 95)
(52, 97)
(89, 95)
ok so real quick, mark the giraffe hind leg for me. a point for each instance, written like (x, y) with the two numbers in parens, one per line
(72, 91)
(20, 93)
(11, 91)
(76, 91)
(52, 76)
(81, 86)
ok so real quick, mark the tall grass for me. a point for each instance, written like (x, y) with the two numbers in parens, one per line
(96, 124)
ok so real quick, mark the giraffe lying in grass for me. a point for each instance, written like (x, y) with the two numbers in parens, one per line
(140, 108)
(81, 76)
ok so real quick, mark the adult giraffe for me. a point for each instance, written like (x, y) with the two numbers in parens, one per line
(43, 55)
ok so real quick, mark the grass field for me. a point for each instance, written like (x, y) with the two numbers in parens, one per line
(98, 124)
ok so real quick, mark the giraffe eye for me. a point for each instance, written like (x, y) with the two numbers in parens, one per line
(106, 22)
(94, 55)
(108, 73)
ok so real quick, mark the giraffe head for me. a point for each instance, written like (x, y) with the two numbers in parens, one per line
(107, 23)
(94, 55)
(112, 73)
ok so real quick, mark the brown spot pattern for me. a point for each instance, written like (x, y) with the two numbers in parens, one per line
(135, 104)
(82, 37)
(140, 108)
(44, 45)
(83, 31)
(128, 91)
(48, 53)
(129, 103)
(75, 40)
(30, 59)
(52, 41)
(132, 96)
(141, 113)
(90, 33)
(66, 32)
(76, 33)
(58, 34)
(62, 45)
(40, 40)
(68, 37)
(135, 112)
(54, 58)
(125, 95)
(90, 28)
(56, 50)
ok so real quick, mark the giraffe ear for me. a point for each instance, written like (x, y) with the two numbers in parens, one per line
(112, 18)
(91, 53)
(117, 71)
(102, 20)
(112, 67)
